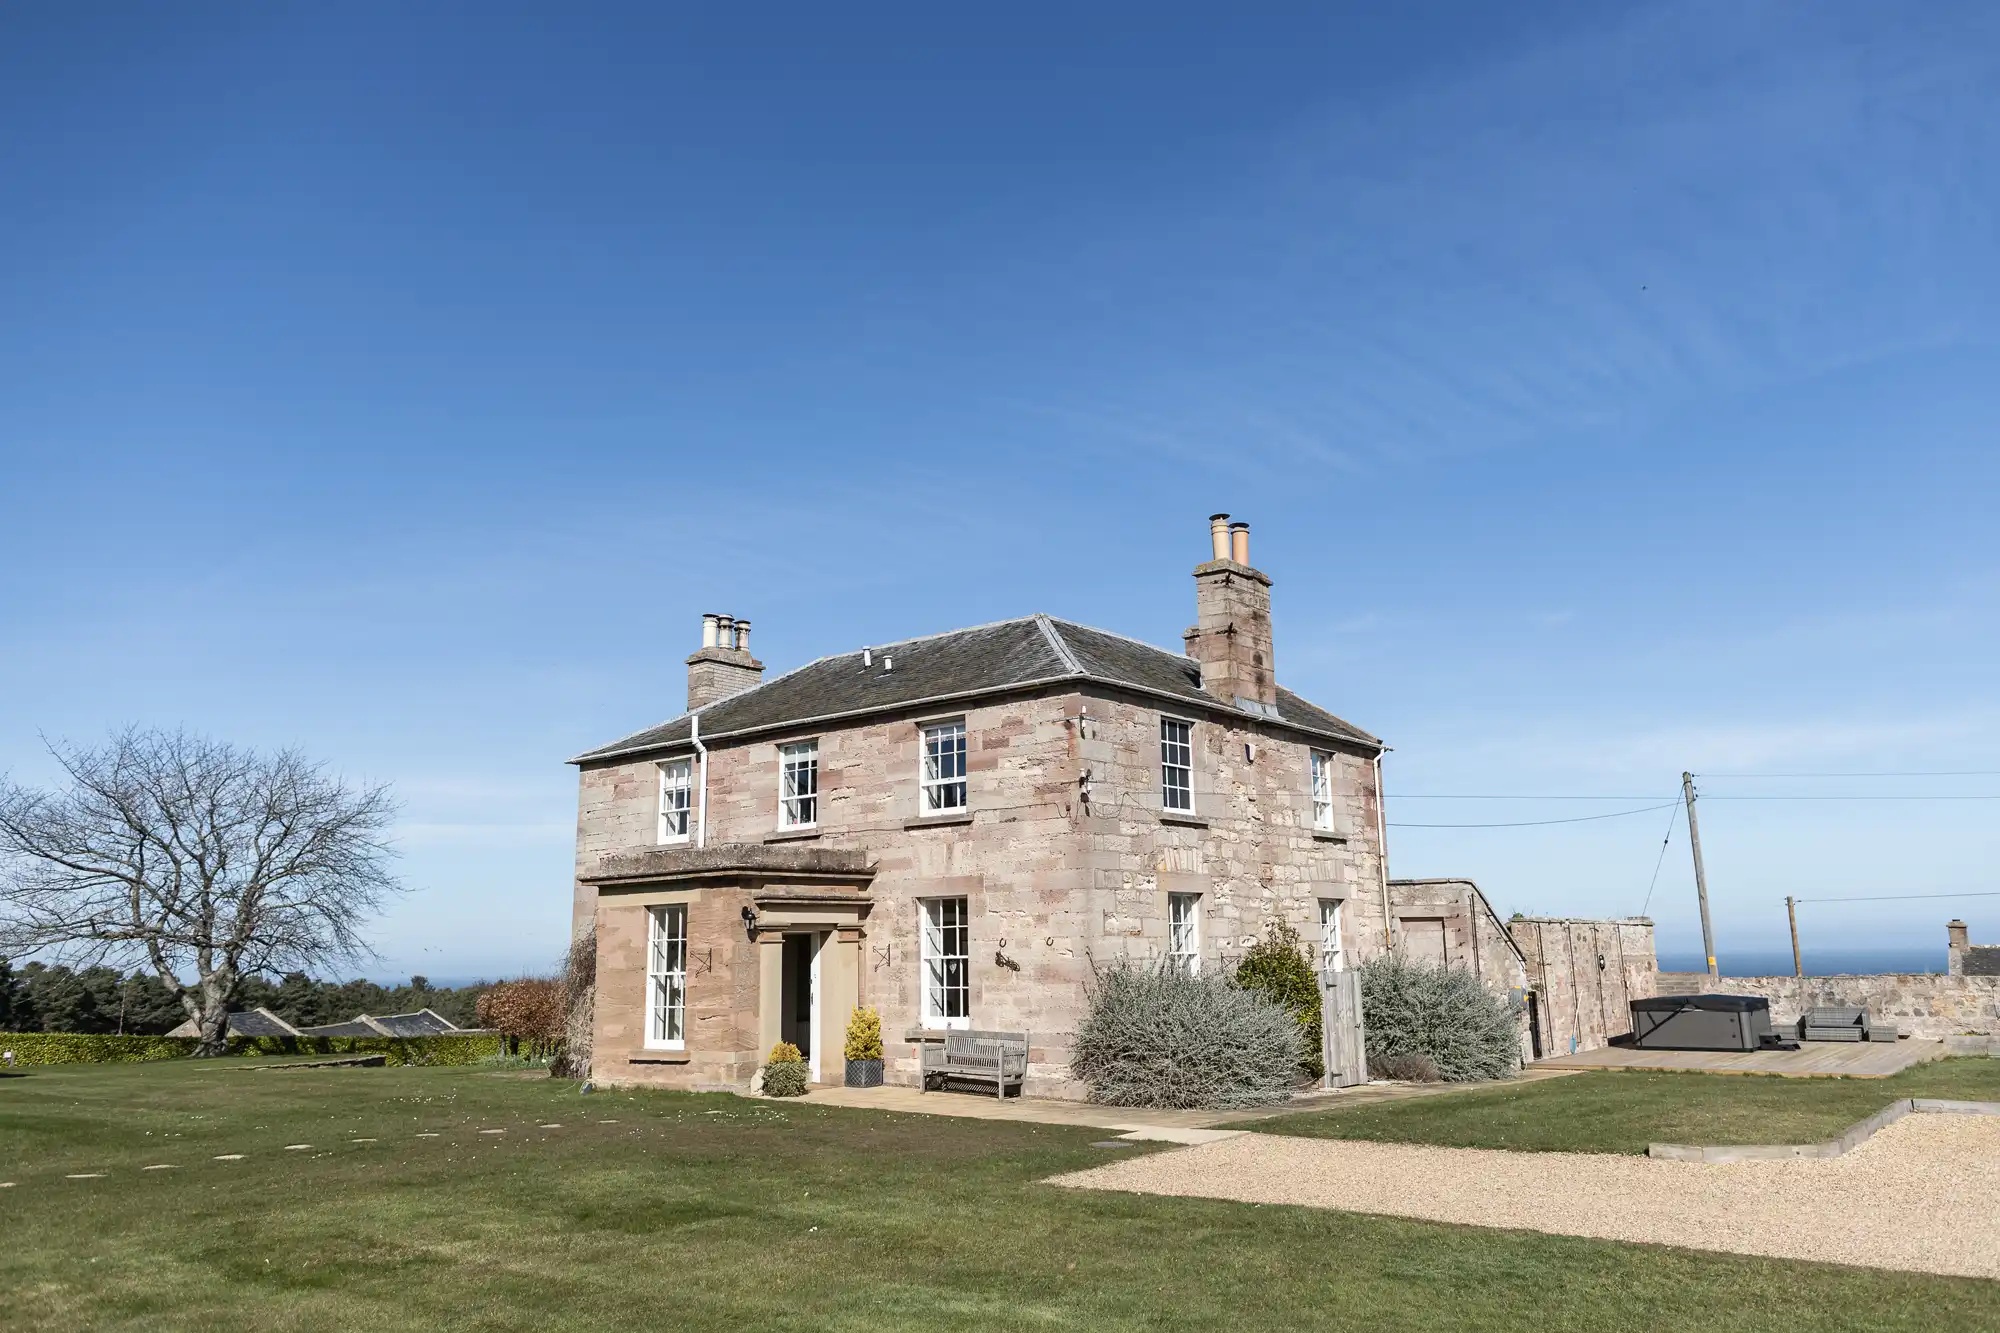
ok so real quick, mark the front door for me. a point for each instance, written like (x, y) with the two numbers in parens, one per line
(801, 997)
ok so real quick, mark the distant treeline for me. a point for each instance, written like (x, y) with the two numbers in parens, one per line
(37, 998)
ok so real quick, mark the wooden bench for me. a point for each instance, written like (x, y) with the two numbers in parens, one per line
(996, 1058)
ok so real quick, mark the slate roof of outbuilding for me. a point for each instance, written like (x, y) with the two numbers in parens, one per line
(987, 659)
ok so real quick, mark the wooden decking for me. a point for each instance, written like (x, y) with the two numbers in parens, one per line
(1813, 1059)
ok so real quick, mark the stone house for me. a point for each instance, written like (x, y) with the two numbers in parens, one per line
(953, 828)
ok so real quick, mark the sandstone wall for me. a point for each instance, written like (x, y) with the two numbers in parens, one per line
(1584, 974)
(1920, 1004)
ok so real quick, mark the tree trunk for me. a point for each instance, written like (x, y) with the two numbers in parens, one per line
(214, 1019)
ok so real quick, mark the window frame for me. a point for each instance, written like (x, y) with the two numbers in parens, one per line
(927, 784)
(1320, 776)
(789, 807)
(932, 939)
(1184, 933)
(1332, 949)
(668, 982)
(686, 809)
(1166, 788)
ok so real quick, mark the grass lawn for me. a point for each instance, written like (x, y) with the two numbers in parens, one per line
(719, 1212)
(1622, 1111)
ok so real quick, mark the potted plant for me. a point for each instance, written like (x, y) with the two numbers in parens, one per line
(864, 1049)
(785, 1072)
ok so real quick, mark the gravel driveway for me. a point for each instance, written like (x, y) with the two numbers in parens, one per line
(1920, 1195)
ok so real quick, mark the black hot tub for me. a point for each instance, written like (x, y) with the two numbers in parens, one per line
(1702, 1023)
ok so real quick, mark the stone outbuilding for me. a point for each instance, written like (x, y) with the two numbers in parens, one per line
(954, 828)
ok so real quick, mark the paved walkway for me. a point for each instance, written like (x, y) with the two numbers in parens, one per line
(1917, 1196)
(1047, 1111)
(1813, 1059)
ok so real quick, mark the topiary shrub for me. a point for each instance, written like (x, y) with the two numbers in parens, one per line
(784, 1053)
(864, 1035)
(1277, 968)
(1158, 1037)
(1410, 1067)
(1441, 1012)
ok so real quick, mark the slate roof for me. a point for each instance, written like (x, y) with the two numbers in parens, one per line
(353, 1027)
(423, 1023)
(1982, 960)
(245, 1023)
(987, 659)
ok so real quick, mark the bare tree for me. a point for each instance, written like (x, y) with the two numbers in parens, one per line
(198, 858)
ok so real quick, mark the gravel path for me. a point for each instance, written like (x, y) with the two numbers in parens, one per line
(1920, 1195)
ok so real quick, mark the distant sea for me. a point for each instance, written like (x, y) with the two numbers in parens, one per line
(1818, 962)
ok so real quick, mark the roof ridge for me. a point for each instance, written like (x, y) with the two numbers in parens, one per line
(1055, 638)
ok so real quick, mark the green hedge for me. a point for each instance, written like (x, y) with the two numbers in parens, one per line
(69, 1048)
(77, 1048)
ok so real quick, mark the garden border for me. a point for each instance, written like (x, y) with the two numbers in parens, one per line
(1854, 1136)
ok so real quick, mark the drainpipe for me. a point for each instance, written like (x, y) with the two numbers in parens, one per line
(1382, 855)
(701, 814)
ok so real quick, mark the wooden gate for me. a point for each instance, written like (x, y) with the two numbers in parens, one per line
(1343, 1040)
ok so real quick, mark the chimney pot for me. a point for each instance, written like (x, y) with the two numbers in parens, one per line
(708, 629)
(1218, 535)
(1239, 543)
(742, 636)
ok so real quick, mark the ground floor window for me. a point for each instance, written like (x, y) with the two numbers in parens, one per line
(1184, 932)
(666, 978)
(1332, 958)
(946, 941)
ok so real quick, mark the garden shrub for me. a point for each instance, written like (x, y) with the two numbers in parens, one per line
(785, 1072)
(1442, 1012)
(1158, 1037)
(864, 1034)
(1277, 968)
(1410, 1067)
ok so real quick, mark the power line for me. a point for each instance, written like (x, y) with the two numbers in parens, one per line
(1941, 773)
(1986, 796)
(1661, 860)
(1710, 796)
(1535, 823)
(1901, 897)
(1441, 796)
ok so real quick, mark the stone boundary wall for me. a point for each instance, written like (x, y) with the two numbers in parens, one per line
(1920, 1004)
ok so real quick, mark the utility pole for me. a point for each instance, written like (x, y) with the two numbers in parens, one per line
(1792, 911)
(1700, 876)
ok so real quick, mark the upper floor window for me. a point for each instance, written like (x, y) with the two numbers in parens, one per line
(945, 939)
(1322, 778)
(1332, 958)
(1184, 932)
(676, 799)
(943, 777)
(1176, 764)
(798, 785)
(666, 978)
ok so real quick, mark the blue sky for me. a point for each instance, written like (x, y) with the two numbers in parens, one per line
(1611, 391)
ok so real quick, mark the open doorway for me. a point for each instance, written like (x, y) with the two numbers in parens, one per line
(800, 1000)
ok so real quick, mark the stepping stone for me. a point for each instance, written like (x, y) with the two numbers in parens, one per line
(230, 1157)
(86, 1175)
(6, 1184)
(361, 1140)
(607, 1122)
(551, 1126)
(297, 1147)
(427, 1136)
(162, 1166)
(492, 1131)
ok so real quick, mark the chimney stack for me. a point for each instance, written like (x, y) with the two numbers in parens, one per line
(722, 666)
(1958, 938)
(1231, 636)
